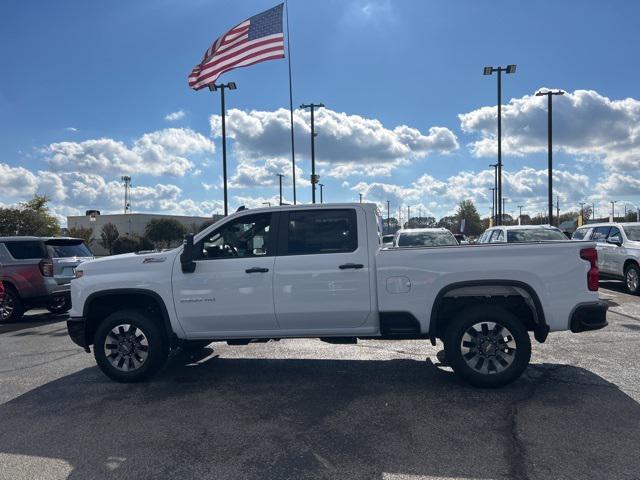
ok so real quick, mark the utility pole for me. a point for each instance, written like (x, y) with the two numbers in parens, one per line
(321, 187)
(550, 94)
(127, 199)
(502, 212)
(489, 71)
(388, 217)
(493, 205)
(495, 193)
(280, 175)
(314, 178)
(582, 212)
(557, 211)
(360, 197)
(408, 214)
(613, 210)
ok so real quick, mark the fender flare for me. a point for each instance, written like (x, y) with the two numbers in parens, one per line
(541, 329)
(157, 299)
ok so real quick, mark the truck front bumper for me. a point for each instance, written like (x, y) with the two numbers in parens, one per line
(77, 328)
(589, 316)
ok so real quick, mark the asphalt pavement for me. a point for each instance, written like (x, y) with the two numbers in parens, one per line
(303, 409)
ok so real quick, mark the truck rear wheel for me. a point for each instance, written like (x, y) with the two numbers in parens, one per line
(487, 346)
(129, 346)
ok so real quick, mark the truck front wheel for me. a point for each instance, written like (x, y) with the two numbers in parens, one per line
(487, 346)
(129, 346)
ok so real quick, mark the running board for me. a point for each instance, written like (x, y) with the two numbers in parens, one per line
(340, 340)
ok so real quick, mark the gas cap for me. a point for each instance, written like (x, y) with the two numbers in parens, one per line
(398, 284)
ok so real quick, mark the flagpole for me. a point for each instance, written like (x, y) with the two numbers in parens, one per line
(293, 151)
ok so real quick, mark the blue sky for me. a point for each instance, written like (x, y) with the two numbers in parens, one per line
(87, 86)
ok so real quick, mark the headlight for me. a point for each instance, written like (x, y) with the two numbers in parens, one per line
(78, 273)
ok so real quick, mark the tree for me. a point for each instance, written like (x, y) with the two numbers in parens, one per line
(422, 222)
(450, 223)
(125, 244)
(108, 236)
(29, 218)
(467, 212)
(165, 231)
(85, 234)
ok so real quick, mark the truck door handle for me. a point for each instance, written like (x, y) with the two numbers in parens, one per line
(257, 270)
(354, 266)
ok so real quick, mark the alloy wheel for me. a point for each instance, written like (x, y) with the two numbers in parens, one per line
(6, 307)
(126, 347)
(488, 348)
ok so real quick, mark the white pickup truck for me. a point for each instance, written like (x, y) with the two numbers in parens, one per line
(318, 271)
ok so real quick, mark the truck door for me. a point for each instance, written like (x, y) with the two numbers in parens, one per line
(231, 289)
(599, 236)
(321, 276)
(615, 253)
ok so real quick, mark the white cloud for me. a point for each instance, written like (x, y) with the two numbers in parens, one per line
(345, 145)
(163, 152)
(585, 123)
(71, 129)
(17, 181)
(173, 116)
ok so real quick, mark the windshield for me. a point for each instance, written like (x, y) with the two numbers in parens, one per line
(428, 239)
(535, 235)
(632, 232)
(67, 248)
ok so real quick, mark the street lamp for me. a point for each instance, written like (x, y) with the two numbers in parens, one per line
(520, 216)
(493, 204)
(550, 94)
(488, 71)
(321, 187)
(613, 210)
(280, 175)
(314, 178)
(215, 87)
(388, 217)
(360, 197)
(581, 213)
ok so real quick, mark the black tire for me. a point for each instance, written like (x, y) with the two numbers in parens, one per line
(486, 368)
(120, 343)
(11, 308)
(195, 345)
(58, 306)
(632, 279)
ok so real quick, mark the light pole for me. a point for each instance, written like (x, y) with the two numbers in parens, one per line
(388, 217)
(581, 212)
(127, 199)
(408, 214)
(214, 87)
(280, 175)
(504, 201)
(314, 177)
(520, 216)
(549, 94)
(495, 192)
(360, 197)
(493, 204)
(321, 187)
(613, 210)
(488, 71)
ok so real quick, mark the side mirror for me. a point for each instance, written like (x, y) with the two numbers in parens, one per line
(615, 240)
(187, 255)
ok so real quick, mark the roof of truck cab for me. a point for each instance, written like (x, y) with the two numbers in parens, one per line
(610, 224)
(26, 238)
(423, 230)
(524, 227)
(305, 206)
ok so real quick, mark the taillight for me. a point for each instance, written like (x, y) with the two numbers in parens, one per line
(591, 256)
(46, 268)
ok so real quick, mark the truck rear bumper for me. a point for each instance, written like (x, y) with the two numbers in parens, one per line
(589, 316)
(77, 328)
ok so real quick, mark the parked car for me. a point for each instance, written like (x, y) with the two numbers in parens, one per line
(618, 247)
(387, 239)
(318, 271)
(522, 233)
(36, 272)
(424, 237)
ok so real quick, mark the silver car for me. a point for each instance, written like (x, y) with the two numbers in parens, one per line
(36, 272)
(618, 246)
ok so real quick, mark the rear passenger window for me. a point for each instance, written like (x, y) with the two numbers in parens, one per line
(26, 250)
(497, 237)
(322, 231)
(600, 234)
(579, 234)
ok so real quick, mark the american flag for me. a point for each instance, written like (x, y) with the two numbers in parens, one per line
(255, 40)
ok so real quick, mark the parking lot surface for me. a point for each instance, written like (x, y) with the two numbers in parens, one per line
(299, 409)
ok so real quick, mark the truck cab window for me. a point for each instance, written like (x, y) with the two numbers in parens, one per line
(322, 231)
(247, 236)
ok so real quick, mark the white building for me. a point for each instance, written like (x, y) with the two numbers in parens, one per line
(132, 224)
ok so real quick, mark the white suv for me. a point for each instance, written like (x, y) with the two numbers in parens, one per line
(618, 246)
(521, 234)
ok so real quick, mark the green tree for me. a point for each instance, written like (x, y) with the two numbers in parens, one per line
(467, 212)
(165, 231)
(125, 244)
(108, 237)
(29, 218)
(85, 234)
